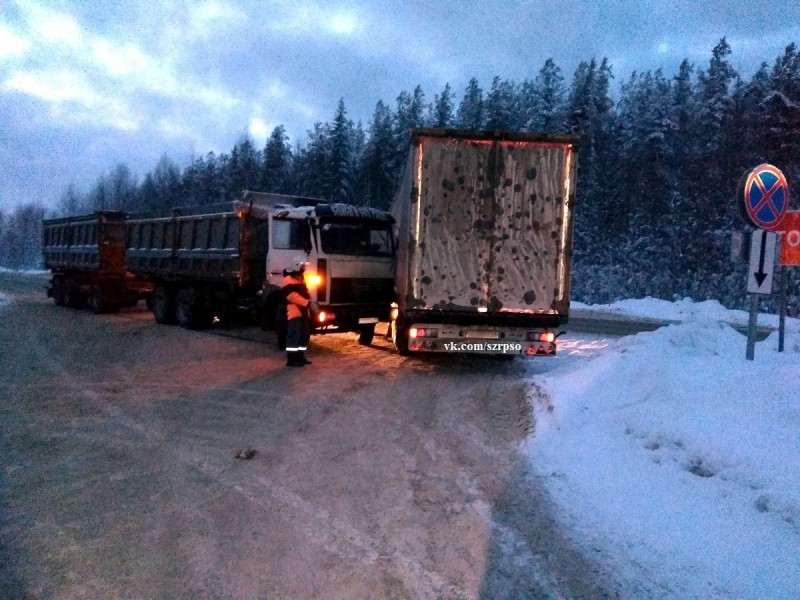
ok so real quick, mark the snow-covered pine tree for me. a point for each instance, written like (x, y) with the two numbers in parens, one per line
(244, 168)
(276, 176)
(341, 162)
(440, 113)
(470, 111)
(376, 173)
(543, 100)
(502, 107)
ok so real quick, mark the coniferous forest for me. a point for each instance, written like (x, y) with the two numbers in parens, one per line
(661, 155)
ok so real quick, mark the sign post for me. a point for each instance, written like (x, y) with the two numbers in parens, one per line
(782, 308)
(763, 198)
(790, 256)
(752, 323)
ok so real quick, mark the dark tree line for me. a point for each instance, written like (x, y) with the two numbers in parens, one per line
(659, 165)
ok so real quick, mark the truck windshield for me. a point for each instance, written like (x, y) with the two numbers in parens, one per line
(359, 238)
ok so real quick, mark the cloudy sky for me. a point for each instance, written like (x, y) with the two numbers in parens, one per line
(86, 84)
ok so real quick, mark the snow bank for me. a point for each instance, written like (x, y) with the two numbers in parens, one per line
(680, 310)
(24, 271)
(677, 461)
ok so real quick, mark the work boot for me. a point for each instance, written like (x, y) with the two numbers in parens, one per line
(293, 359)
(302, 358)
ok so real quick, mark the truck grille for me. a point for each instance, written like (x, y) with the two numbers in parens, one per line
(344, 290)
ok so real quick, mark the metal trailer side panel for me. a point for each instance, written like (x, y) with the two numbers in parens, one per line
(486, 223)
(91, 243)
(225, 247)
(150, 246)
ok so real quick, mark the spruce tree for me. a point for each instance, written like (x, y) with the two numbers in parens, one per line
(441, 111)
(277, 173)
(243, 169)
(501, 107)
(470, 111)
(542, 101)
(341, 163)
(378, 175)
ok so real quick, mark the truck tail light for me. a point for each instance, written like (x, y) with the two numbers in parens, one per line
(324, 317)
(548, 337)
(419, 332)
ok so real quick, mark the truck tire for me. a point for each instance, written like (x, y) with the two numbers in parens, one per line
(96, 301)
(162, 302)
(267, 315)
(399, 337)
(190, 312)
(73, 297)
(280, 325)
(58, 293)
(366, 333)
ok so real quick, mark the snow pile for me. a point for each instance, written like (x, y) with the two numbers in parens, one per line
(680, 310)
(674, 459)
(24, 271)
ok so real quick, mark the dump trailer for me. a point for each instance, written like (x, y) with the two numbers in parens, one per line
(485, 225)
(86, 255)
(218, 261)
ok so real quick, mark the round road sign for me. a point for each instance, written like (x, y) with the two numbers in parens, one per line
(764, 197)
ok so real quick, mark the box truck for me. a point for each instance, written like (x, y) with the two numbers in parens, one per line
(484, 226)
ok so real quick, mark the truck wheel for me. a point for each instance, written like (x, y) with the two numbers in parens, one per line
(280, 326)
(58, 294)
(73, 298)
(267, 315)
(96, 302)
(187, 308)
(366, 333)
(399, 338)
(162, 302)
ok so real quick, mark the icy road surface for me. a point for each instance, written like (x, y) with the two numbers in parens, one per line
(375, 476)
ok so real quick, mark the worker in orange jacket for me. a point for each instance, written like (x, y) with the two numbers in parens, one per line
(298, 305)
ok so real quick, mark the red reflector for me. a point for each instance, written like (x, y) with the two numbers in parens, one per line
(530, 351)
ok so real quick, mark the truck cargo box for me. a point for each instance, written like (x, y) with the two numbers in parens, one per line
(485, 228)
(86, 255)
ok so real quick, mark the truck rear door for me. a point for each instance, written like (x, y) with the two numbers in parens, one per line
(493, 220)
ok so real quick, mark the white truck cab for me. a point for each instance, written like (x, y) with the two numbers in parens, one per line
(350, 252)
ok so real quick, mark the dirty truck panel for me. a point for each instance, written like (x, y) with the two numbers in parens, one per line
(492, 217)
(485, 229)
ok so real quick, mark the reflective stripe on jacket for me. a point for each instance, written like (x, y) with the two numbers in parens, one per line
(297, 296)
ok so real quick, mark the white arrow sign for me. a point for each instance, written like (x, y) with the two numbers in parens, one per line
(762, 262)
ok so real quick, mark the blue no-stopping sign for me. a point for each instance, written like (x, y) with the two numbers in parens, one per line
(764, 197)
